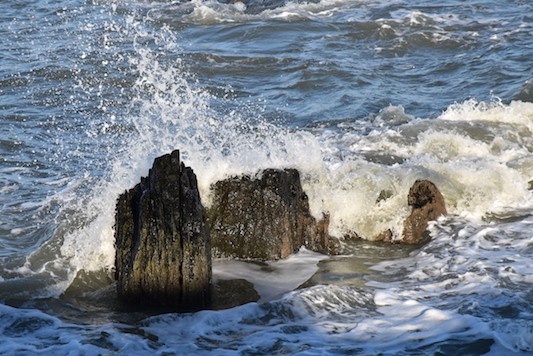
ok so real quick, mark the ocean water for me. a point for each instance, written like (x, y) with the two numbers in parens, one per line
(362, 96)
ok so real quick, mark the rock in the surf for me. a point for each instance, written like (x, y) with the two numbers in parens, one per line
(264, 218)
(526, 94)
(428, 204)
(163, 252)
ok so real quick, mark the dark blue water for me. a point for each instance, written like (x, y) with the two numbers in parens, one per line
(363, 97)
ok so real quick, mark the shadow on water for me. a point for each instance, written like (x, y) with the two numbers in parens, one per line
(92, 299)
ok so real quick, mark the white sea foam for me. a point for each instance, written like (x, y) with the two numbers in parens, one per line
(30, 331)
(278, 278)
(480, 169)
(18, 231)
(211, 12)
(214, 12)
(472, 270)
(516, 113)
(330, 320)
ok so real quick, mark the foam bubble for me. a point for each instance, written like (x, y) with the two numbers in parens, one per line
(212, 12)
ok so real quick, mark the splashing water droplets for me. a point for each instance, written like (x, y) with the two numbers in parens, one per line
(166, 109)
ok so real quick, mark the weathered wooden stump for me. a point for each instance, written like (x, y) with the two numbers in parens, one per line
(163, 251)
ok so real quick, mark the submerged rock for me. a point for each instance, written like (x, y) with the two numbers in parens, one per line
(234, 292)
(163, 251)
(265, 219)
(428, 204)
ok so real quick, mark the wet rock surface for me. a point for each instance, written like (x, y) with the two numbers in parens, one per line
(165, 239)
(163, 251)
(428, 205)
(265, 218)
(233, 292)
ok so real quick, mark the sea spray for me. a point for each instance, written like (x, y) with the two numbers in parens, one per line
(379, 93)
(168, 111)
(360, 178)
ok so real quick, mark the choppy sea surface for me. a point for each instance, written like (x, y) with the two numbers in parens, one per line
(363, 97)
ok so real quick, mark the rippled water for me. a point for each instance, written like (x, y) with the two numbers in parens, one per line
(363, 97)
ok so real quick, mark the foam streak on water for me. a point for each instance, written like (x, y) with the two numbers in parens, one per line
(363, 97)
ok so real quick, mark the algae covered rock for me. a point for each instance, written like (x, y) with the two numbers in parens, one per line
(264, 218)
